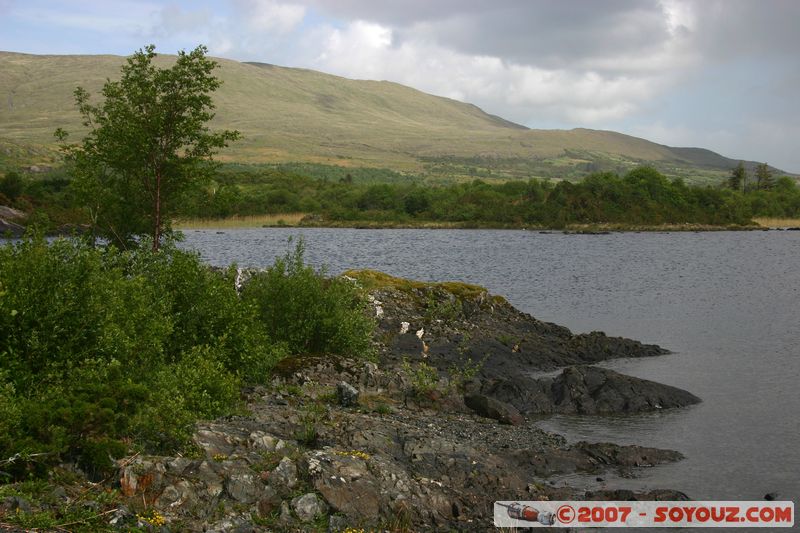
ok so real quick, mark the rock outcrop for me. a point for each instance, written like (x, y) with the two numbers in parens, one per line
(426, 438)
(586, 390)
(11, 228)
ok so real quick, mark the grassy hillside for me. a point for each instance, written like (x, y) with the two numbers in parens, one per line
(298, 115)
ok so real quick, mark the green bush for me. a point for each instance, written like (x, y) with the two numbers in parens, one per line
(309, 312)
(199, 386)
(101, 347)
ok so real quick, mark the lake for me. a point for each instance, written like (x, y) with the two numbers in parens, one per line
(726, 304)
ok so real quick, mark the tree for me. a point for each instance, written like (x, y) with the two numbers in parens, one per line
(738, 178)
(764, 179)
(148, 144)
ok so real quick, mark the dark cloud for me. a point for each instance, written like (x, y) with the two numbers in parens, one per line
(547, 33)
(404, 13)
(559, 34)
(732, 29)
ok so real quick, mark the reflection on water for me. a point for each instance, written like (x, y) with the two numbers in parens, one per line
(725, 303)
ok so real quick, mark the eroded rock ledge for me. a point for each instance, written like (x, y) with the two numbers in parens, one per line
(453, 326)
(426, 438)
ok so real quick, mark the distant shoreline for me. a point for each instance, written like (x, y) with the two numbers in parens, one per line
(295, 221)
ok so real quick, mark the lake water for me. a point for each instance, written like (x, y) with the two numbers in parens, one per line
(726, 303)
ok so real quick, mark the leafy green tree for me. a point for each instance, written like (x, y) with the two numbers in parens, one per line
(764, 179)
(148, 143)
(738, 178)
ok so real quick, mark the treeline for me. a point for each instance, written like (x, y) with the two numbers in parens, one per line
(643, 196)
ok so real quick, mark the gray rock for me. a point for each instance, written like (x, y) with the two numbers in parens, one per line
(586, 390)
(178, 495)
(215, 441)
(263, 442)
(59, 494)
(14, 503)
(494, 409)
(232, 524)
(14, 229)
(205, 473)
(121, 517)
(346, 394)
(269, 502)
(594, 390)
(286, 514)
(348, 486)
(243, 487)
(9, 213)
(285, 474)
(309, 506)
(626, 456)
(337, 523)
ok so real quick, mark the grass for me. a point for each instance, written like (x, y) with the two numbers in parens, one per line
(252, 221)
(372, 279)
(299, 115)
(778, 222)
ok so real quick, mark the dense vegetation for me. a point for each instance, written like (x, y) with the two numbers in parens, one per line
(640, 197)
(103, 351)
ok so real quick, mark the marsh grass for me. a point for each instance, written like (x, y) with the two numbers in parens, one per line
(778, 222)
(250, 221)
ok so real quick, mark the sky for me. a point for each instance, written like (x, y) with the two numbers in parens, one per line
(718, 74)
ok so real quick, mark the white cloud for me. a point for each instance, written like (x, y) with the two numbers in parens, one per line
(271, 16)
(369, 50)
(706, 71)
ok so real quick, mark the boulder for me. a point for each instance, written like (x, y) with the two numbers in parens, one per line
(346, 394)
(243, 487)
(285, 474)
(9, 213)
(308, 507)
(587, 390)
(8, 227)
(595, 390)
(492, 408)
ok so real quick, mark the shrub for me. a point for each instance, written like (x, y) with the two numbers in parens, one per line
(199, 386)
(100, 346)
(309, 312)
(11, 185)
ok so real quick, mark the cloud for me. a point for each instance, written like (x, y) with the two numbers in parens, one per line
(697, 67)
(522, 92)
(174, 20)
(270, 16)
(547, 34)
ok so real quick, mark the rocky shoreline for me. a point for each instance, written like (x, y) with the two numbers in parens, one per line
(426, 437)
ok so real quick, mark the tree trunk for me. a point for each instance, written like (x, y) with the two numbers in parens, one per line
(157, 223)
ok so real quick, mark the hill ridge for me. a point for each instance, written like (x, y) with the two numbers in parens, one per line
(289, 114)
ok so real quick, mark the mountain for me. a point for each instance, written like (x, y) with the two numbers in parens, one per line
(299, 115)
